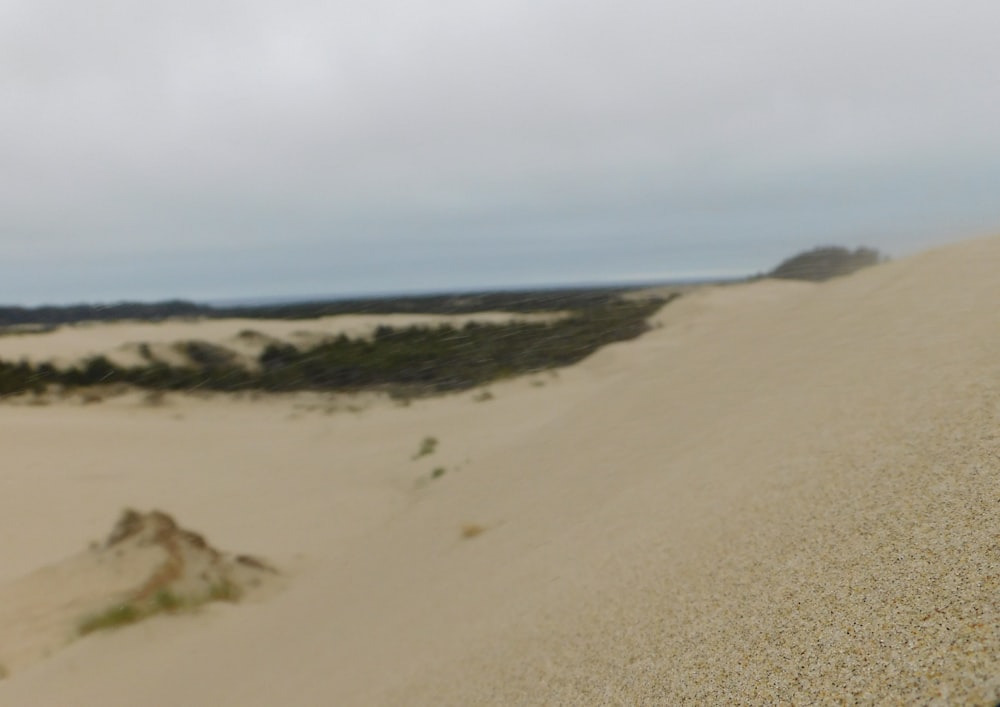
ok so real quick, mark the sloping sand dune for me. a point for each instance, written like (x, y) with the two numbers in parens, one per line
(784, 494)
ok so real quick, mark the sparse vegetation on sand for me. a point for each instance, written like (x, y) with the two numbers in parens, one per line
(171, 588)
(405, 362)
(165, 601)
(427, 447)
(116, 616)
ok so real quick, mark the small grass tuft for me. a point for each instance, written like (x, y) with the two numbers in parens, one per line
(438, 472)
(164, 602)
(427, 447)
(91, 398)
(120, 615)
(154, 398)
(167, 601)
(224, 591)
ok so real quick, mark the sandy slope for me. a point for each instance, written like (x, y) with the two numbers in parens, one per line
(785, 494)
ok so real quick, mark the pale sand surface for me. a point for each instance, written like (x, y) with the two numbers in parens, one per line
(785, 494)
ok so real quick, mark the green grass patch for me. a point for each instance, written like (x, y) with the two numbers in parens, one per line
(427, 447)
(224, 591)
(165, 602)
(116, 616)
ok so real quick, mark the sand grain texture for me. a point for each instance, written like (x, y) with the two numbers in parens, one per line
(784, 494)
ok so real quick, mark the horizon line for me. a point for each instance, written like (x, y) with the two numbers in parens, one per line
(264, 300)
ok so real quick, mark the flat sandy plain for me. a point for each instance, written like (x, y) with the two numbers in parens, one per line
(785, 493)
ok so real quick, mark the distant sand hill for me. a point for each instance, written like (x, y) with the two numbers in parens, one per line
(782, 494)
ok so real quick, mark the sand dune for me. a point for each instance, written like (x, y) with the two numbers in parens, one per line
(783, 494)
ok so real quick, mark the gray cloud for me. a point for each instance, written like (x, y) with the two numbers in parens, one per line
(189, 143)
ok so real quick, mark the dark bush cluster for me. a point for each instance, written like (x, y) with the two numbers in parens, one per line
(413, 360)
(54, 316)
(463, 303)
(20, 378)
(447, 358)
(824, 263)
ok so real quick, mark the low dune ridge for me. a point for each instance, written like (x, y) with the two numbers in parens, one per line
(781, 494)
(147, 565)
(133, 343)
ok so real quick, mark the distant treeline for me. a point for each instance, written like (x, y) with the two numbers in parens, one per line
(53, 316)
(826, 262)
(520, 301)
(407, 361)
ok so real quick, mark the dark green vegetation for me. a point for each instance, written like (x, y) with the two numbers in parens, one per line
(405, 362)
(121, 615)
(466, 303)
(53, 316)
(824, 263)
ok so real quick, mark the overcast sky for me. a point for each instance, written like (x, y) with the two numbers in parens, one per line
(213, 148)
